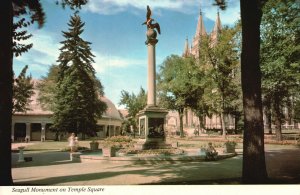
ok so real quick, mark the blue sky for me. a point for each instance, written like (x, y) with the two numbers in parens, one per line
(118, 38)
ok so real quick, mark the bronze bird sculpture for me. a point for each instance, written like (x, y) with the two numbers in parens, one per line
(149, 21)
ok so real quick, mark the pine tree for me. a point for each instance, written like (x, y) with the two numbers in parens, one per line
(22, 91)
(77, 105)
(20, 35)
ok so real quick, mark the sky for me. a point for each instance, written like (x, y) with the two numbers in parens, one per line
(118, 38)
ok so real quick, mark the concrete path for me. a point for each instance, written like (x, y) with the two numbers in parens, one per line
(55, 168)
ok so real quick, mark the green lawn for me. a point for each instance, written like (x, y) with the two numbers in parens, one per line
(52, 145)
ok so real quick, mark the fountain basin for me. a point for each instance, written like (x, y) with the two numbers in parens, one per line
(86, 156)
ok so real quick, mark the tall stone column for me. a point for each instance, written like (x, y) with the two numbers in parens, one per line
(151, 98)
(151, 118)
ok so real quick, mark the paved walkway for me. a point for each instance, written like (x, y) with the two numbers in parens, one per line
(55, 168)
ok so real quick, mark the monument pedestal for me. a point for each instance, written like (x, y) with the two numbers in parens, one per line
(151, 128)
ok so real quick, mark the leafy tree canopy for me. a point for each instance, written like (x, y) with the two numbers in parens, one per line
(280, 54)
(134, 103)
(219, 60)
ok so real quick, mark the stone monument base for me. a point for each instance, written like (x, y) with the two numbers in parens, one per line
(152, 143)
(151, 128)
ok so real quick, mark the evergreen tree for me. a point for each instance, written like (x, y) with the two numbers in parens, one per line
(77, 104)
(22, 91)
(20, 35)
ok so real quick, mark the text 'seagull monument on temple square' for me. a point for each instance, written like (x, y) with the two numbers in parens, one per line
(152, 117)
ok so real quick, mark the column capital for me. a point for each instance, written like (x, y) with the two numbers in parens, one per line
(151, 42)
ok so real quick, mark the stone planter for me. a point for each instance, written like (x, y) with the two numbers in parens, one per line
(75, 157)
(175, 145)
(109, 151)
(230, 148)
(21, 154)
(94, 145)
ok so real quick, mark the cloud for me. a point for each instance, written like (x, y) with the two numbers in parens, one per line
(45, 49)
(111, 7)
(104, 62)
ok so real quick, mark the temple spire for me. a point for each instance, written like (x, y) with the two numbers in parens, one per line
(186, 51)
(200, 31)
(217, 28)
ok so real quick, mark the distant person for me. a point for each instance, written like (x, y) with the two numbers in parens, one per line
(72, 142)
(211, 152)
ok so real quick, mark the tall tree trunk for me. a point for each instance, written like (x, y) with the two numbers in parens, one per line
(186, 117)
(268, 116)
(254, 167)
(6, 76)
(201, 123)
(180, 111)
(223, 125)
(278, 119)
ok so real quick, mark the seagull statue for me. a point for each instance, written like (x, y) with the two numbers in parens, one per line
(149, 21)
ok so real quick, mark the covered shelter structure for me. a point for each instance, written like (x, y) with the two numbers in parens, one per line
(34, 124)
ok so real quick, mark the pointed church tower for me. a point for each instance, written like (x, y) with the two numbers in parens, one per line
(216, 31)
(200, 31)
(186, 51)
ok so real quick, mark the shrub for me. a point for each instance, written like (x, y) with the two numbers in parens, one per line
(68, 149)
(118, 139)
(232, 143)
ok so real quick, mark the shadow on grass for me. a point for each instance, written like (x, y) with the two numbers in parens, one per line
(282, 165)
(44, 158)
(168, 172)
